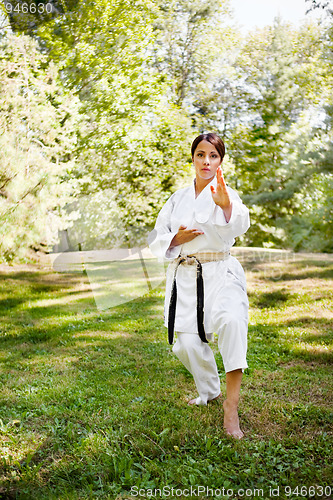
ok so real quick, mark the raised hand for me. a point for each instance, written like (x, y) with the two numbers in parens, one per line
(220, 195)
(184, 235)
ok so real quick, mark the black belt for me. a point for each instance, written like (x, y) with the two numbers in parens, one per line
(200, 301)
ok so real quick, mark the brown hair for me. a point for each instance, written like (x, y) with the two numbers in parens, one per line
(214, 139)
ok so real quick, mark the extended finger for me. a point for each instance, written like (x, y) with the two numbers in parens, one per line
(220, 178)
(181, 227)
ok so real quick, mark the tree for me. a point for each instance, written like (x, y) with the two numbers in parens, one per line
(188, 36)
(38, 121)
(271, 149)
(313, 229)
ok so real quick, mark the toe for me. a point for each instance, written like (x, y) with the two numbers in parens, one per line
(237, 434)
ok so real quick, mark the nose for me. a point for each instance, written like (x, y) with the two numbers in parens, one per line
(206, 160)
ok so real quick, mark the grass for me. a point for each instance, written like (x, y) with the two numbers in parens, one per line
(93, 402)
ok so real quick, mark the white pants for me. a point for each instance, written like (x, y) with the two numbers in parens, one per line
(230, 319)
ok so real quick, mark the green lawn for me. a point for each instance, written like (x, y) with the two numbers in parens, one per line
(93, 402)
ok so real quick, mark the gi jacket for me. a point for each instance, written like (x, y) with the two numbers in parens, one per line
(183, 208)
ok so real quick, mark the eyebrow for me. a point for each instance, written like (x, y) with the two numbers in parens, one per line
(201, 151)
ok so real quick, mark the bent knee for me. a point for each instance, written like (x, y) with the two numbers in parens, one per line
(186, 342)
(229, 322)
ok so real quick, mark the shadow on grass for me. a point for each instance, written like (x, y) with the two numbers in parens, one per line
(304, 270)
(310, 321)
(269, 345)
(7, 304)
(269, 299)
(40, 282)
(28, 288)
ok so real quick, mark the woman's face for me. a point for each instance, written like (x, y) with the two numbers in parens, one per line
(206, 160)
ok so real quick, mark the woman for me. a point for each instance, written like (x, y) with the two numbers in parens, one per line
(206, 293)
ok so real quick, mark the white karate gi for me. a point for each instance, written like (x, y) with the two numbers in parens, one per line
(225, 298)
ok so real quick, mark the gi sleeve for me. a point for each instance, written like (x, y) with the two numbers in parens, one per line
(239, 221)
(161, 236)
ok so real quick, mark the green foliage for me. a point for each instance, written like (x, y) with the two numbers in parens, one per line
(140, 168)
(312, 229)
(38, 121)
(273, 151)
(189, 35)
(123, 190)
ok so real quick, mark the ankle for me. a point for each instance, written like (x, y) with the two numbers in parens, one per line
(232, 404)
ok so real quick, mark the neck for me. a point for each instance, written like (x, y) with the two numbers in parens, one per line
(200, 184)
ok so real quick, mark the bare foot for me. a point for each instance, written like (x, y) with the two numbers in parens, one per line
(231, 420)
(194, 401)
